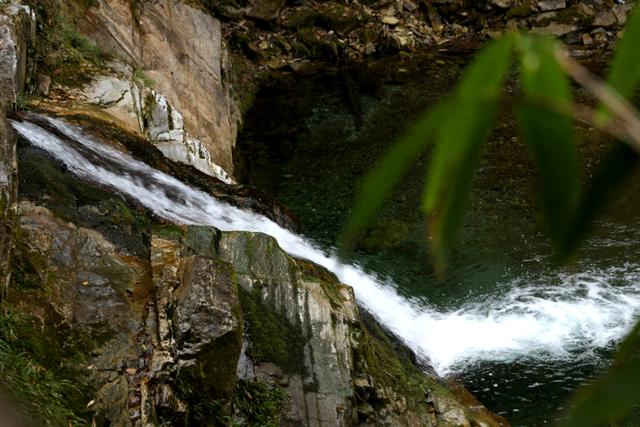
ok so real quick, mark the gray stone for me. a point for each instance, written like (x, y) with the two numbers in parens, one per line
(118, 95)
(159, 122)
(605, 19)
(17, 25)
(265, 10)
(409, 6)
(621, 11)
(555, 29)
(504, 4)
(44, 85)
(325, 316)
(547, 5)
(199, 312)
(16, 29)
(599, 35)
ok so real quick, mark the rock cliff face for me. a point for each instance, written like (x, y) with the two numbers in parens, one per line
(184, 323)
(180, 48)
(16, 28)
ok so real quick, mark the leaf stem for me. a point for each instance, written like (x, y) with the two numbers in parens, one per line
(626, 113)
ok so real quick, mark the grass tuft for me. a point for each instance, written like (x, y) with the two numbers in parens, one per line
(40, 393)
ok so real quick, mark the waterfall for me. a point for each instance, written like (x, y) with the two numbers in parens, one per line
(540, 320)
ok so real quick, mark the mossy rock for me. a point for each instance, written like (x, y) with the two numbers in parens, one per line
(393, 368)
(271, 337)
(45, 181)
(208, 385)
(577, 14)
(521, 11)
(312, 45)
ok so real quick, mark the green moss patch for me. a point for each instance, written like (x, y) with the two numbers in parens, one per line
(392, 366)
(272, 338)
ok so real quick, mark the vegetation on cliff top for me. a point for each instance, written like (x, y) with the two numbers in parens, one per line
(60, 51)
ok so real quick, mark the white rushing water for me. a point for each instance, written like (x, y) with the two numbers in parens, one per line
(530, 320)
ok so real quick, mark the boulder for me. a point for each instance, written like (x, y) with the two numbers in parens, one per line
(118, 94)
(555, 29)
(305, 334)
(265, 11)
(605, 19)
(548, 5)
(87, 283)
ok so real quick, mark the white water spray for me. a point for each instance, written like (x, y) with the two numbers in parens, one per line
(546, 321)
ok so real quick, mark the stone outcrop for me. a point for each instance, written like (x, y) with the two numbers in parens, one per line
(180, 48)
(143, 110)
(335, 372)
(185, 325)
(176, 333)
(118, 94)
(16, 30)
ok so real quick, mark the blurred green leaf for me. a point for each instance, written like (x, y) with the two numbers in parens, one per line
(629, 346)
(624, 74)
(381, 180)
(548, 130)
(459, 141)
(612, 173)
(612, 397)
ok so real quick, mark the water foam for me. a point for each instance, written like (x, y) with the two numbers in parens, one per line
(532, 319)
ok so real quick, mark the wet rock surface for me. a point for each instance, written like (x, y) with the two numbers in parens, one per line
(184, 323)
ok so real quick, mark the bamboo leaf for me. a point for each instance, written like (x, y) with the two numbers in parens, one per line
(381, 180)
(459, 142)
(548, 131)
(624, 74)
(612, 397)
(614, 170)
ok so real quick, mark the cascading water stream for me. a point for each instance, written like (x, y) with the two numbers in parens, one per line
(545, 321)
